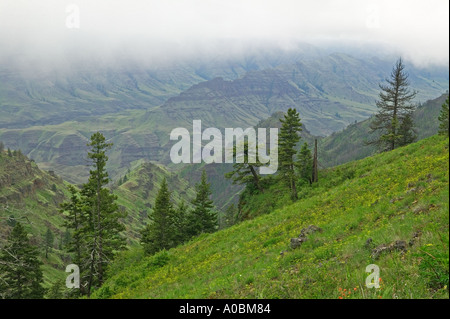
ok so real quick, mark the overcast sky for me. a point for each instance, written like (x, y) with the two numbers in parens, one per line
(418, 30)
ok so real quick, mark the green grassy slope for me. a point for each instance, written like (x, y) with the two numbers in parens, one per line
(137, 195)
(29, 194)
(387, 197)
(426, 115)
(348, 144)
(32, 196)
(50, 117)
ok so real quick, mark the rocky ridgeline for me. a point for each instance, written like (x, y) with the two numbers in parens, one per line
(66, 151)
(20, 178)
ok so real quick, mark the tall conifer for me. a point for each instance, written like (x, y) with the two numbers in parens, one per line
(393, 123)
(443, 119)
(203, 219)
(20, 273)
(160, 232)
(288, 139)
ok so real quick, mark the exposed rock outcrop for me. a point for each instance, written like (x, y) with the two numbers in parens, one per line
(399, 245)
(298, 241)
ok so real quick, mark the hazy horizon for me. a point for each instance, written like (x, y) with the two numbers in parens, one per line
(54, 32)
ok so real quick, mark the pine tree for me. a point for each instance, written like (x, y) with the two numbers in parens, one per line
(49, 240)
(406, 132)
(76, 220)
(66, 238)
(55, 291)
(288, 139)
(203, 219)
(20, 273)
(60, 243)
(181, 223)
(394, 105)
(160, 232)
(103, 223)
(305, 163)
(443, 118)
(246, 173)
(94, 218)
(2, 147)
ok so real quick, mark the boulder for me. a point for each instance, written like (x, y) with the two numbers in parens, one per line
(309, 230)
(297, 242)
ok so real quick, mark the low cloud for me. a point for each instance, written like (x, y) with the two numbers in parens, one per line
(52, 31)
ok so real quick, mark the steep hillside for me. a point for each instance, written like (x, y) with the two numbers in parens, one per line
(51, 95)
(138, 108)
(137, 194)
(224, 192)
(329, 93)
(426, 115)
(32, 196)
(29, 193)
(391, 209)
(62, 147)
(349, 144)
